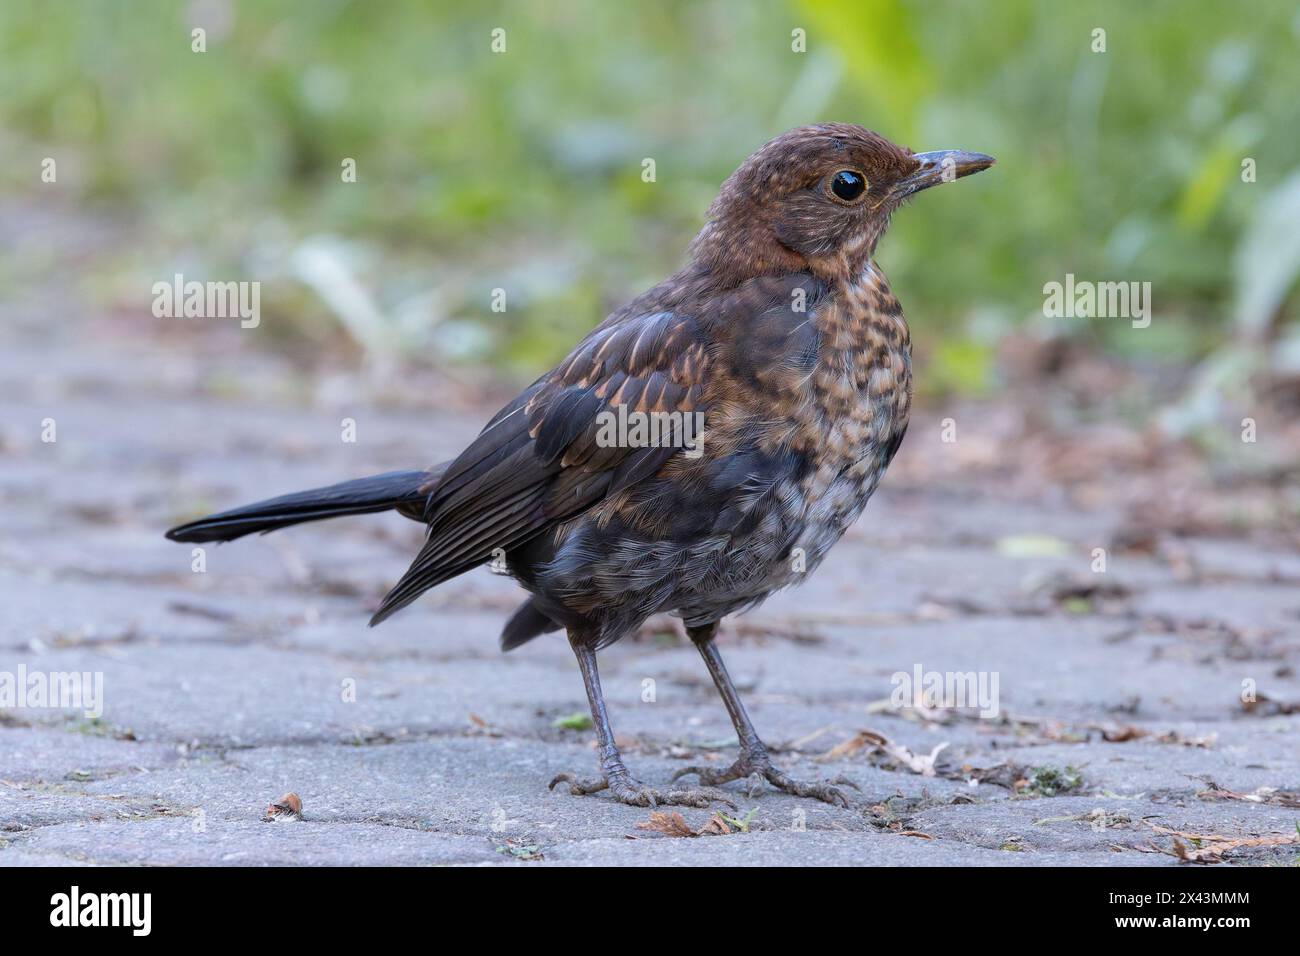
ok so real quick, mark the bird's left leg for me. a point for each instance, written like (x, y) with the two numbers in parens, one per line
(614, 775)
(754, 763)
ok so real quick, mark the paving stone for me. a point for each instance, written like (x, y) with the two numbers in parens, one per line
(225, 689)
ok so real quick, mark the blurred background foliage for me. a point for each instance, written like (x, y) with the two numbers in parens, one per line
(522, 170)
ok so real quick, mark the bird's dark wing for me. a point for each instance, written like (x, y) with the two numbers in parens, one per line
(541, 460)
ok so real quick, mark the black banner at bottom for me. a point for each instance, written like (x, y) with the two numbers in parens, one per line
(302, 905)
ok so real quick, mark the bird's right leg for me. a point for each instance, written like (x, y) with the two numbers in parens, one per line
(614, 776)
(755, 762)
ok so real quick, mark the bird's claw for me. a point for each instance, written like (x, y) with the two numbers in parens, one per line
(579, 787)
(756, 770)
(636, 794)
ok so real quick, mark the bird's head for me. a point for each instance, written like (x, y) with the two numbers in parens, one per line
(818, 198)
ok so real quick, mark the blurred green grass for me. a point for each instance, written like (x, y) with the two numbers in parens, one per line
(522, 170)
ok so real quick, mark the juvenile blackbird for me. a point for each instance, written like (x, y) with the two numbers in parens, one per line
(782, 337)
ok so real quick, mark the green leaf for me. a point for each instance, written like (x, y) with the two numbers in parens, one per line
(1032, 546)
(577, 721)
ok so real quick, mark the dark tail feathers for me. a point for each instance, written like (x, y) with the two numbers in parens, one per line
(525, 624)
(362, 496)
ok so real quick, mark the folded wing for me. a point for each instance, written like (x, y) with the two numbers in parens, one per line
(546, 456)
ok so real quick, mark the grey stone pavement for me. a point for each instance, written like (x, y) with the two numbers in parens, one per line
(1119, 719)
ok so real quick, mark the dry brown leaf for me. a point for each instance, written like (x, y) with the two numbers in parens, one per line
(1268, 795)
(872, 741)
(1215, 845)
(1213, 852)
(673, 824)
(288, 807)
(716, 826)
(1118, 735)
(670, 824)
(863, 739)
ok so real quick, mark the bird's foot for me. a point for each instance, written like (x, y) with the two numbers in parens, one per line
(755, 766)
(636, 794)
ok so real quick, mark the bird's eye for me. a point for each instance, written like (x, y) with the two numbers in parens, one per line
(848, 185)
